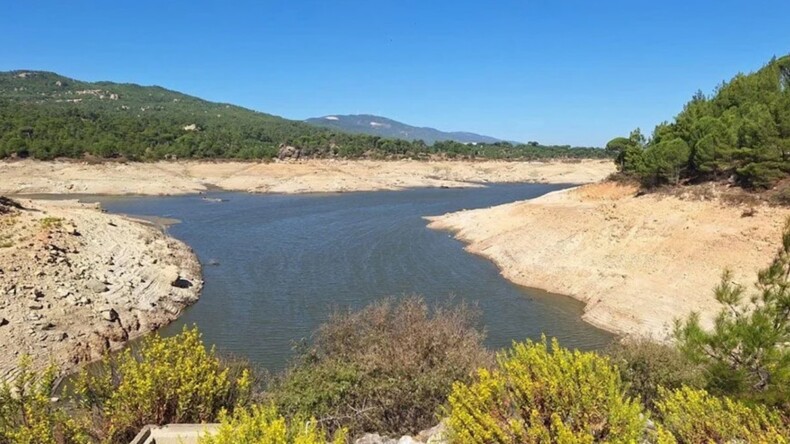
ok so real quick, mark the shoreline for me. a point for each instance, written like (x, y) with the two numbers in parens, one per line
(63, 178)
(637, 263)
(76, 282)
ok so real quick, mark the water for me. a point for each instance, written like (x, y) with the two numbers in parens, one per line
(286, 261)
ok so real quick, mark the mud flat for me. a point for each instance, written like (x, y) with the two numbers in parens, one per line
(638, 262)
(184, 177)
(75, 282)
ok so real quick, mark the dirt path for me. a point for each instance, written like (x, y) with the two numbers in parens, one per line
(75, 282)
(638, 262)
(34, 177)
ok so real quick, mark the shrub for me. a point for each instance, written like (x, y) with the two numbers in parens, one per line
(746, 353)
(28, 415)
(168, 380)
(694, 416)
(541, 393)
(51, 223)
(646, 365)
(264, 425)
(386, 368)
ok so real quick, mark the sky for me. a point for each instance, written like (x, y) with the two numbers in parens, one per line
(553, 71)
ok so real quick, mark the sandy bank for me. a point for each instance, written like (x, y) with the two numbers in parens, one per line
(638, 262)
(75, 281)
(160, 178)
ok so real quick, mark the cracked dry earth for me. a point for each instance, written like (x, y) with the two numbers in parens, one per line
(76, 282)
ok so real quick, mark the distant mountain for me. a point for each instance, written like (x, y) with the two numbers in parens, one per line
(392, 129)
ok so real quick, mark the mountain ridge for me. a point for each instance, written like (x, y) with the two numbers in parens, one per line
(374, 125)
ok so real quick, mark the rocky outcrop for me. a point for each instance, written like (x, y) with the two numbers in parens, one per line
(76, 282)
(289, 152)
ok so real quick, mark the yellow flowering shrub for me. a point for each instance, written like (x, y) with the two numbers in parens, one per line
(695, 416)
(264, 425)
(28, 415)
(541, 393)
(167, 380)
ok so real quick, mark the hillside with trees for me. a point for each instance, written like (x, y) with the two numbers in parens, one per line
(44, 115)
(740, 133)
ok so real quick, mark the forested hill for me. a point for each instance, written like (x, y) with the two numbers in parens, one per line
(384, 127)
(740, 132)
(45, 115)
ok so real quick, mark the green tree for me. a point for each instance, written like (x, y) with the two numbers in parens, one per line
(666, 161)
(746, 352)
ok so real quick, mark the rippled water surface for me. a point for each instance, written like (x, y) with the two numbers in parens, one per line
(284, 262)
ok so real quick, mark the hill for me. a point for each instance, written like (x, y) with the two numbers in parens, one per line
(740, 132)
(44, 115)
(384, 127)
(47, 115)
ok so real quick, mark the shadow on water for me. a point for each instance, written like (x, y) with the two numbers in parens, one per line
(282, 263)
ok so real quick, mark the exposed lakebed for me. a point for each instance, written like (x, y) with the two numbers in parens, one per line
(282, 263)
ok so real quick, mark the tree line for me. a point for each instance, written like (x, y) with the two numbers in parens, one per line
(46, 116)
(741, 132)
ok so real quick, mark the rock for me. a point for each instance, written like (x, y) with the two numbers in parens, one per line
(374, 438)
(35, 306)
(62, 293)
(109, 315)
(3, 321)
(435, 435)
(180, 282)
(96, 286)
(408, 440)
(288, 152)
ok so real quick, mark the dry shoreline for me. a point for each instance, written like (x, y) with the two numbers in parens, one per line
(638, 263)
(76, 282)
(188, 177)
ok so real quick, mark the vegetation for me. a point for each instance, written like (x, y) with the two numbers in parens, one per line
(386, 368)
(27, 414)
(741, 132)
(170, 380)
(540, 394)
(646, 367)
(50, 223)
(263, 425)
(746, 353)
(45, 116)
(687, 415)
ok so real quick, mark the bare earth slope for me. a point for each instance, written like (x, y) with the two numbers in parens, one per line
(638, 262)
(34, 177)
(75, 282)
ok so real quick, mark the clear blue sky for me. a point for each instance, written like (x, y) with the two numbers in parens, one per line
(577, 72)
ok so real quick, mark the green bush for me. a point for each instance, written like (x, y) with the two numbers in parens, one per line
(540, 394)
(694, 416)
(264, 425)
(168, 380)
(384, 369)
(645, 366)
(28, 414)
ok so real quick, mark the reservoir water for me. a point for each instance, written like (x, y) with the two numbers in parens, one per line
(282, 263)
